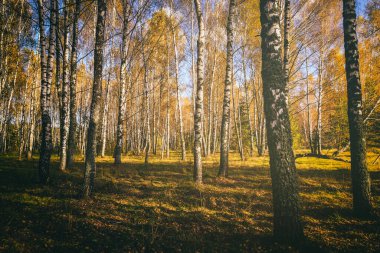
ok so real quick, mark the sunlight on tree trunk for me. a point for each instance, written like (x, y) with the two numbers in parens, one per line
(90, 166)
(359, 174)
(287, 220)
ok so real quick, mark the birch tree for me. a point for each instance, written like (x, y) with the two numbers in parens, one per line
(359, 174)
(46, 76)
(65, 116)
(198, 114)
(123, 84)
(71, 146)
(286, 207)
(90, 165)
(223, 168)
(179, 108)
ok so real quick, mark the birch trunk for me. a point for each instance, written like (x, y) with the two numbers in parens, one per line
(90, 166)
(287, 219)
(319, 109)
(123, 83)
(146, 102)
(72, 144)
(58, 62)
(237, 125)
(22, 125)
(179, 108)
(198, 113)
(215, 112)
(6, 115)
(193, 72)
(103, 134)
(167, 141)
(65, 117)
(104, 126)
(210, 105)
(147, 113)
(247, 104)
(223, 168)
(361, 187)
(46, 73)
(310, 133)
(32, 123)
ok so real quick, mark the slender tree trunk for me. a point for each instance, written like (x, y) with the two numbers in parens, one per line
(258, 117)
(215, 140)
(22, 125)
(154, 143)
(46, 73)
(193, 72)
(287, 219)
(309, 128)
(168, 106)
(179, 108)
(123, 83)
(210, 105)
(6, 123)
(104, 126)
(319, 105)
(286, 45)
(159, 132)
(73, 85)
(147, 113)
(58, 63)
(146, 102)
(247, 104)
(223, 168)
(237, 124)
(32, 122)
(65, 117)
(359, 174)
(198, 113)
(90, 166)
(240, 131)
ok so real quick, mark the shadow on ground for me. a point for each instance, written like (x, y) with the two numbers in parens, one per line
(158, 209)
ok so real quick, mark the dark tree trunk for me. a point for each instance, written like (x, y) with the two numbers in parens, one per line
(90, 166)
(73, 82)
(46, 76)
(359, 173)
(287, 219)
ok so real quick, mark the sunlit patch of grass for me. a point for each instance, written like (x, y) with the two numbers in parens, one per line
(320, 163)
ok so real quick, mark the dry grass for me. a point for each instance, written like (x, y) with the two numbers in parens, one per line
(158, 208)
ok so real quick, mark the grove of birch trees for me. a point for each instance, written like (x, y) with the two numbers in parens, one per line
(84, 79)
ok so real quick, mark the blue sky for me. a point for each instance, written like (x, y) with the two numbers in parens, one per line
(360, 6)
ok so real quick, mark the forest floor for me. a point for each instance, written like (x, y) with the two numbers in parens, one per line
(159, 209)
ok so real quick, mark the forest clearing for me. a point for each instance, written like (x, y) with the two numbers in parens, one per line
(158, 208)
(189, 126)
